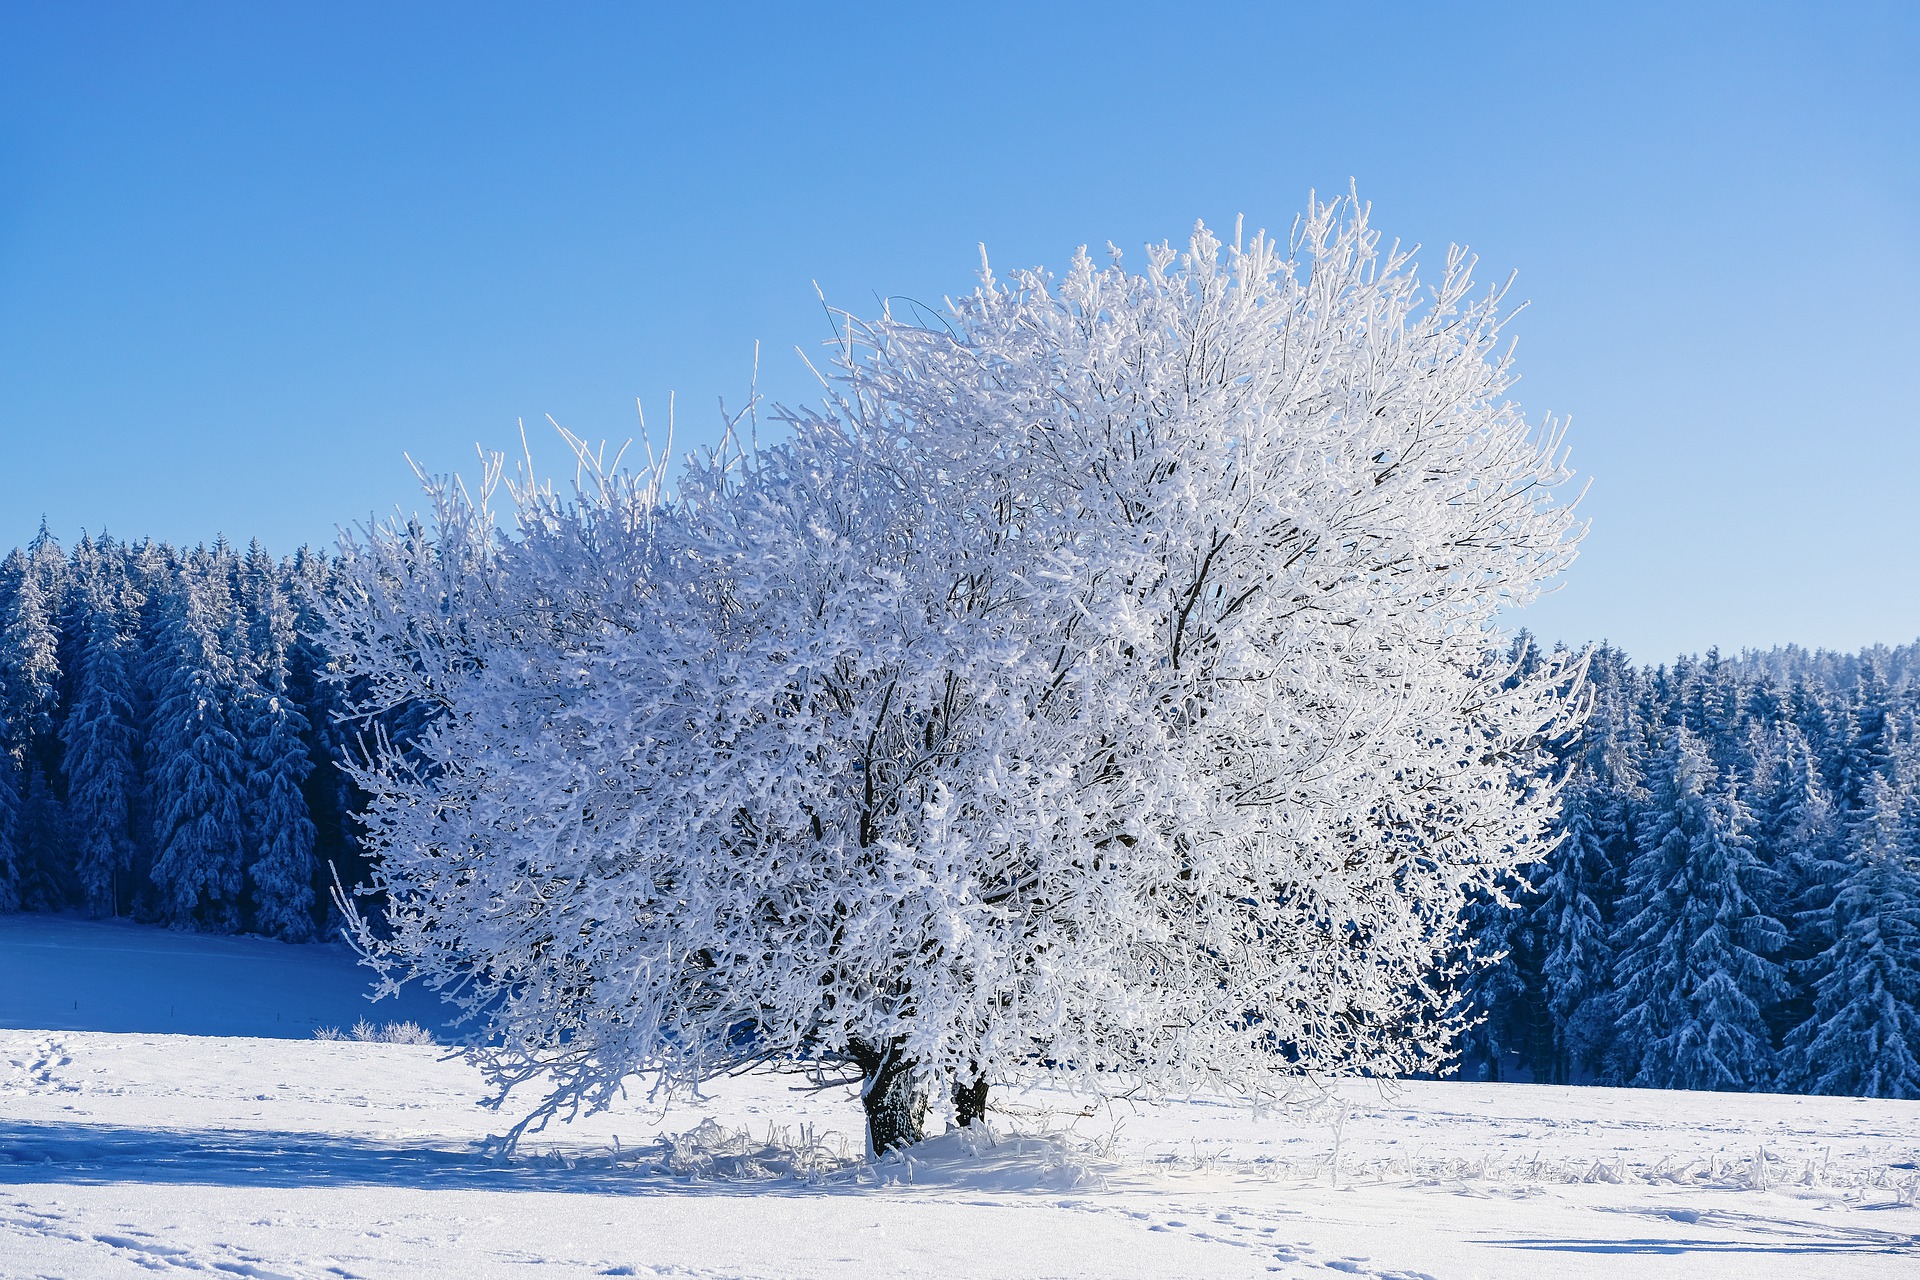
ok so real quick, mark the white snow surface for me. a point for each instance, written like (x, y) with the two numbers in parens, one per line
(129, 1154)
(63, 973)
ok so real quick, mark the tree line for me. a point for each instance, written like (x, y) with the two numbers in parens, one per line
(167, 741)
(1734, 901)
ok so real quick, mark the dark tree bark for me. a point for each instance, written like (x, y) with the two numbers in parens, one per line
(896, 1109)
(969, 1102)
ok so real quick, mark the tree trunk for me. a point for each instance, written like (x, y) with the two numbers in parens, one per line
(896, 1109)
(969, 1102)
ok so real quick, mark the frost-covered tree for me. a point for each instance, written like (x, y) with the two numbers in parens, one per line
(1499, 1000)
(44, 838)
(1581, 883)
(1098, 684)
(30, 583)
(198, 779)
(279, 826)
(1797, 836)
(96, 649)
(1696, 955)
(100, 735)
(331, 795)
(1863, 1034)
(1571, 921)
(10, 851)
(1502, 1002)
(280, 874)
(1866, 751)
(29, 642)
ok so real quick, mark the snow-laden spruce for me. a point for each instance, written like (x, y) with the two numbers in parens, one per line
(101, 738)
(1097, 684)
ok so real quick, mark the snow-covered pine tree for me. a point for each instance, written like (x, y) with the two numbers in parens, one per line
(29, 651)
(1866, 752)
(46, 839)
(198, 776)
(10, 851)
(332, 797)
(1099, 686)
(1696, 956)
(280, 867)
(31, 586)
(1862, 1036)
(1505, 1030)
(157, 572)
(282, 871)
(29, 640)
(99, 733)
(1500, 982)
(267, 618)
(1572, 922)
(1675, 691)
(1798, 835)
(1712, 711)
(1765, 705)
(1597, 831)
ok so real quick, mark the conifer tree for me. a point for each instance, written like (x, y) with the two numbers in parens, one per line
(199, 779)
(1604, 794)
(1501, 998)
(100, 737)
(1797, 835)
(280, 829)
(1696, 955)
(330, 795)
(1576, 956)
(29, 649)
(281, 872)
(1867, 751)
(10, 853)
(31, 582)
(45, 837)
(1863, 1035)
(1500, 981)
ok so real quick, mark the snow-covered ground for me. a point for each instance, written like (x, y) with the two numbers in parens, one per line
(131, 1153)
(63, 973)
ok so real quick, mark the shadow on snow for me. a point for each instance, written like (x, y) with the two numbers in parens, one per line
(103, 1154)
(1766, 1235)
(709, 1160)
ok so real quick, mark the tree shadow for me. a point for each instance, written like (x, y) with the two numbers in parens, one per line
(1900, 1245)
(1765, 1235)
(710, 1159)
(82, 1154)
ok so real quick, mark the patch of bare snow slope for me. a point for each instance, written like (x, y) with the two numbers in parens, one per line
(141, 1154)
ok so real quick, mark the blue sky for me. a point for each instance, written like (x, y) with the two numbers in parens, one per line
(249, 254)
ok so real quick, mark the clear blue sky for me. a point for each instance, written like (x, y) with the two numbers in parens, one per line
(250, 253)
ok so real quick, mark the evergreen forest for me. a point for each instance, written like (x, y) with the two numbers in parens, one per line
(1734, 898)
(170, 739)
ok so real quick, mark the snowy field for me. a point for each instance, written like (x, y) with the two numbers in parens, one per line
(62, 974)
(131, 1152)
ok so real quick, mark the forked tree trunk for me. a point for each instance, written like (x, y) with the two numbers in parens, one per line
(969, 1102)
(896, 1109)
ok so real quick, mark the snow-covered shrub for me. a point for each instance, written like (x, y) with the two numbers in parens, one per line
(367, 1032)
(1098, 683)
(389, 1033)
